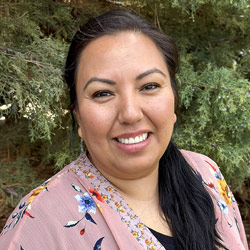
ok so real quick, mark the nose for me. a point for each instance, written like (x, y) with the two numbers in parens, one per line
(130, 110)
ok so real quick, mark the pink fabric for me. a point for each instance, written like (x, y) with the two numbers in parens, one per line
(229, 224)
(79, 209)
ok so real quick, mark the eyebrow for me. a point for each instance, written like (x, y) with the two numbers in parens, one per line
(110, 82)
(96, 79)
(148, 72)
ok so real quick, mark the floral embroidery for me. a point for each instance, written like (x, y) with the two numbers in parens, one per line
(86, 206)
(37, 191)
(98, 244)
(223, 206)
(107, 193)
(86, 203)
(23, 207)
(222, 185)
(17, 216)
(135, 234)
(237, 224)
(140, 225)
(96, 194)
(99, 207)
(91, 176)
(224, 191)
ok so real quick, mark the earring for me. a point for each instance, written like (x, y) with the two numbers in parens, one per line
(81, 145)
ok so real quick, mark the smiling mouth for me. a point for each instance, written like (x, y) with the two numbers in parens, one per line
(133, 140)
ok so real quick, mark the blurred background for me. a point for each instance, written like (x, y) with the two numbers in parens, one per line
(213, 37)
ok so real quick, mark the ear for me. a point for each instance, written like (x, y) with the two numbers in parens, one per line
(175, 118)
(78, 119)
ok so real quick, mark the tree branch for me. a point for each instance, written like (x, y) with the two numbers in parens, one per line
(11, 52)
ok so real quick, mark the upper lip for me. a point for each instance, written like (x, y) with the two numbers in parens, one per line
(132, 134)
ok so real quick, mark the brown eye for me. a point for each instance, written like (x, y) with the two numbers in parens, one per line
(150, 86)
(102, 93)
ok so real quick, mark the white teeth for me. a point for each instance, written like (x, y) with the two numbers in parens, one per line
(132, 140)
(137, 139)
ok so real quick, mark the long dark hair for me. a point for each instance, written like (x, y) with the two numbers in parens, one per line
(187, 206)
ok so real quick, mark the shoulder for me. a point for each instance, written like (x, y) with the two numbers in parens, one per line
(207, 171)
(39, 212)
(199, 161)
(229, 223)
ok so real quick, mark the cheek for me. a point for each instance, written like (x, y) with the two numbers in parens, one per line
(162, 111)
(95, 122)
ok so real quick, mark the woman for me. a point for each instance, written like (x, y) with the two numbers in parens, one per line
(132, 189)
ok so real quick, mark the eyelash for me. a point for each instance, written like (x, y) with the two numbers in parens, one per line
(150, 86)
(102, 93)
(106, 93)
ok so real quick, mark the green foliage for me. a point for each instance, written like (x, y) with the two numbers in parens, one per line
(34, 86)
(22, 178)
(214, 42)
(215, 118)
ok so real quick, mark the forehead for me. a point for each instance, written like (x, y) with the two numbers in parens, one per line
(122, 52)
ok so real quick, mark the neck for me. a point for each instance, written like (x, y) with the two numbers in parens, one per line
(144, 189)
(141, 194)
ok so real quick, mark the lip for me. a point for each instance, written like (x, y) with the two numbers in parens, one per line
(132, 134)
(133, 148)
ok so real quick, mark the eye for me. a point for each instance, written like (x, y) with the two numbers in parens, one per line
(150, 86)
(102, 93)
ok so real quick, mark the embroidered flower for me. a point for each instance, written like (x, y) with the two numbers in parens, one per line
(117, 204)
(37, 191)
(223, 206)
(210, 184)
(91, 176)
(86, 203)
(148, 242)
(96, 194)
(214, 171)
(122, 209)
(225, 191)
(99, 207)
(135, 234)
(105, 197)
(140, 225)
(110, 189)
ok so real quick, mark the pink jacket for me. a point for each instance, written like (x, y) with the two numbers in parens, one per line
(79, 209)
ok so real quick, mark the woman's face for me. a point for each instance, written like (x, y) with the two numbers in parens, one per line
(125, 104)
